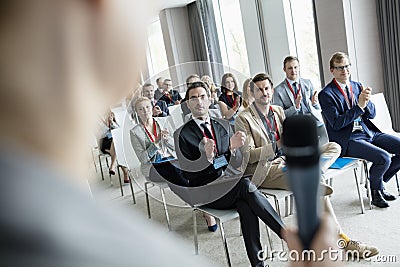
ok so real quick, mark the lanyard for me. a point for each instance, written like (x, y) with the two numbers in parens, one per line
(276, 133)
(154, 132)
(291, 89)
(231, 100)
(348, 101)
(212, 135)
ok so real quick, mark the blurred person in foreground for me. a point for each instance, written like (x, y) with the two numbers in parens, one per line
(64, 62)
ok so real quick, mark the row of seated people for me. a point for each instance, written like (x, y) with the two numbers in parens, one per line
(209, 144)
(347, 117)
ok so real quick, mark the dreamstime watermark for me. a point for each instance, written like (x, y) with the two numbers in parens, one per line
(330, 254)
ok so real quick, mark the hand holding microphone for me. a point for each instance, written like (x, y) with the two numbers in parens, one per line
(300, 146)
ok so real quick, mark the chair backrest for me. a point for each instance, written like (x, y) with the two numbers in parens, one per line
(126, 156)
(176, 115)
(382, 119)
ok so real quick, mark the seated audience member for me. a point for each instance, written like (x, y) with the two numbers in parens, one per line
(246, 95)
(230, 100)
(204, 147)
(159, 92)
(262, 122)
(296, 95)
(347, 109)
(170, 96)
(215, 92)
(106, 143)
(189, 80)
(152, 144)
(160, 108)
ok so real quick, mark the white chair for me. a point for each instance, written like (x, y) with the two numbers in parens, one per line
(126, 157)
(176, 115)
(221, 216)
(383, 120)
(354, 164)
(117, 135)
(133, 164)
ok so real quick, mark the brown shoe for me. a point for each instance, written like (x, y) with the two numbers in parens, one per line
(359, 250)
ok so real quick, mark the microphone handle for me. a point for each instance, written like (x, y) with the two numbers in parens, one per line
(305, 184)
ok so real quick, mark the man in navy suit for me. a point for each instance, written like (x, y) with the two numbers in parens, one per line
(347, 111)
(170, 96)
(205, 147)
(297, 96)
(160, 108)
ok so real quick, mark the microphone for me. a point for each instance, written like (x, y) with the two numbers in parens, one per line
(300, 146)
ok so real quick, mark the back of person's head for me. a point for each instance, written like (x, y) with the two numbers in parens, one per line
(62, 64)
(245, 93)
(192, 78)
(258, 78)
(209, 82)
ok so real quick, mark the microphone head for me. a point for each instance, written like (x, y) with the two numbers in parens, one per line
(300, 141)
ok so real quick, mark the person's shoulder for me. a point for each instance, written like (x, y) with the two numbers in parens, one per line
(306, 81)
(328, 87)
(280, 86)
(187, 126)
(277, 108)
(161, 102)
(137, 128)
(245, 112)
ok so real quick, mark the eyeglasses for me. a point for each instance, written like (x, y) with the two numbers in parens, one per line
(198, 98)
(341, 68)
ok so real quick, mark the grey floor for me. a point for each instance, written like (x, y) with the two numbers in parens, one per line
(378, 227)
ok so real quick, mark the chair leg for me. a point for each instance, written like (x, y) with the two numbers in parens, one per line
(291, 204)
(120, 182)
(165, 208)
(130, 184)
(196, 242)
(397, 183)
(94, 160)
(366, 173)
(269, 239)
(146, 192)
(101, 168)
(222, 231)
(358, 191)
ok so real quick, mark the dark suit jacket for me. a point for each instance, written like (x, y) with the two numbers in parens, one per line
(175, 96)
(339, 117)
(192, 158)
(164, 108)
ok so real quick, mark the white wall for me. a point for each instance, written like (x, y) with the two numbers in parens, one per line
(351, 26)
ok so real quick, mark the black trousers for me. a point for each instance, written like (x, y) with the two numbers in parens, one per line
(251, 204)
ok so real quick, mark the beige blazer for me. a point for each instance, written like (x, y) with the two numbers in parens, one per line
(257, 151)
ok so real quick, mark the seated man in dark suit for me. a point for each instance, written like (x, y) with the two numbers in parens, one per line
(204, 146)
(160, 108)
(347, 110)
(171, 96)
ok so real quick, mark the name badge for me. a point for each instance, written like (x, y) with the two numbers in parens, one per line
(220, 162)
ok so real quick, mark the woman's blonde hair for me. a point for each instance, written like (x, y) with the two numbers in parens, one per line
(209, 82)
(245, 93)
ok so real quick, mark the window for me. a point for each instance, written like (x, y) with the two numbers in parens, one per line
(156, 55)
(301, 35)
(231, 37)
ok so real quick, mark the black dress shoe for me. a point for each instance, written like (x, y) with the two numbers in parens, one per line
(378, 200)
(387, 196)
